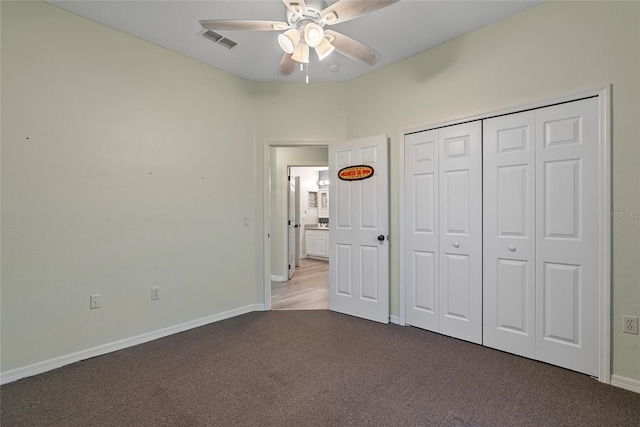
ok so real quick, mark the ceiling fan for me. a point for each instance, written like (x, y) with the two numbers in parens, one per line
(305, 29)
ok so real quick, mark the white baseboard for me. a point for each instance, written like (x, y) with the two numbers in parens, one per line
(48, 365)
(394, 320)
(275, 278)
(625, 383)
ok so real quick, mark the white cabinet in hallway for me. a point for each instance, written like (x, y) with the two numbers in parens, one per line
(317, 240)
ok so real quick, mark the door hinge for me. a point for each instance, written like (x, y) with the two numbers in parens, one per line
(289, 222)
(288, 178)
(289, 266)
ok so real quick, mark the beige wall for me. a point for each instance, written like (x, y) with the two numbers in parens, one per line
(116, 177)
(299, 111)
(81, 214)
(543, 53)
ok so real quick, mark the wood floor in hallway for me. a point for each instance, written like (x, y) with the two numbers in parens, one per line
(308, 289)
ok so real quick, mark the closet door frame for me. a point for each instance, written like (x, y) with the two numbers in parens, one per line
(604, 206)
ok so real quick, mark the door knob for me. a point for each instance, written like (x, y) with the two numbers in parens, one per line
(381, 238)
(456, 245)
(512, 248)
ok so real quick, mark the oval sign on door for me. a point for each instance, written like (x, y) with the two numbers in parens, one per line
(355, 173)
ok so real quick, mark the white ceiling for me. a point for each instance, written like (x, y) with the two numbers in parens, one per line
(396, 32)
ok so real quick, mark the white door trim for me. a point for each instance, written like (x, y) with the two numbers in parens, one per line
(266, 204)
(604, 198)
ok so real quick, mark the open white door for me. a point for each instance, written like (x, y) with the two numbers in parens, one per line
(358, 230)
(291, 221)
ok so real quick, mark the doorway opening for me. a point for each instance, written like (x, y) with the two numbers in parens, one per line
(295, 278)
(307, 285)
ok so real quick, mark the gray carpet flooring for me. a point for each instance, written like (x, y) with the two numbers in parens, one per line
(313, 368)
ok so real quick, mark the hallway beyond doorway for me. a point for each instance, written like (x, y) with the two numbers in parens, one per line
(308, 289)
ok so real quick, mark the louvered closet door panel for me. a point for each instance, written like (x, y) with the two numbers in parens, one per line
(421, 222)
(509, 233)
(460, 225)
(567, 138)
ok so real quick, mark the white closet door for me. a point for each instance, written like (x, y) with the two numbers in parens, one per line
(567, 138)
(421, 232)
(460, 205)
(509, 233)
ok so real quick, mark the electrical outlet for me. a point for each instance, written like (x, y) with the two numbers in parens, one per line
(94, 301)
(630, 324)
(155, 293)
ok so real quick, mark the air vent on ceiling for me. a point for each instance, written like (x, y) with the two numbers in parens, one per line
(217, 39)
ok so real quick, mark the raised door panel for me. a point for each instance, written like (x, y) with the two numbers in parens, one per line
(343, 270)
(562, 199)
(457, 280)
(512, 297)
(562, 286)
(567, 267)
(460, 231)
(456, 207)
(421, 230)
(342, 193)
(423, 288)
(369, 284)
(509, 233)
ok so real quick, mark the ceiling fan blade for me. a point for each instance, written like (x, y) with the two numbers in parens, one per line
(345, 10)
(287, 65)
(236, 24)
(352, 49)
(296, 6)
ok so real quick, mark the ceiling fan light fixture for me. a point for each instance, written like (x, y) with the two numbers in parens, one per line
(301, 53)
(289, 40)
(313, 34)
(324, 49)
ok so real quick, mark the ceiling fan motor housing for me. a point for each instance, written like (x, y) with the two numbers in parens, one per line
(308, 25)
(299, 21)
